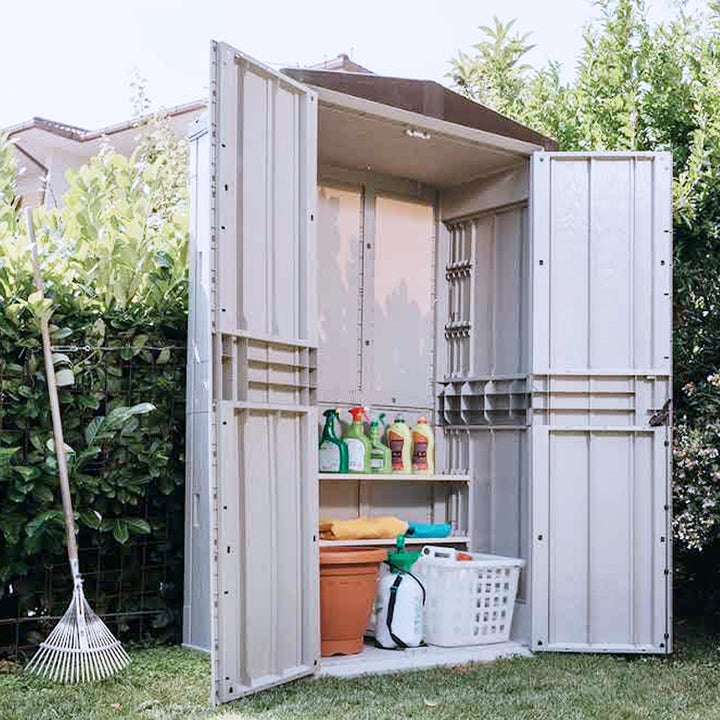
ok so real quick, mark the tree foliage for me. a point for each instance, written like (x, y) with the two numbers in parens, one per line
(643, 87)
(494, 75)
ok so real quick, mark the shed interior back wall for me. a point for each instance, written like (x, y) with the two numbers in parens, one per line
(376, 325)
(389, 295)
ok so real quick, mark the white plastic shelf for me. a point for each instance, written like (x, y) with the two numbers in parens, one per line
(376, 660)
(409, 540)
(396, 477)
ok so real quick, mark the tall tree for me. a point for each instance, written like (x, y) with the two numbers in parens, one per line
(493, 73)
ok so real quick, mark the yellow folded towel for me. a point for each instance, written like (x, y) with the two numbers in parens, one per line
(363, 528)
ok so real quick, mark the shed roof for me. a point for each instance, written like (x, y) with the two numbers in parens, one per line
(421, 96)
(341, 63)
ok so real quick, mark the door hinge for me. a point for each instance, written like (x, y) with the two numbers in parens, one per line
(660, 416)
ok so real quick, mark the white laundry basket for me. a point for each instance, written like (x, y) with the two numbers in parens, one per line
(469, 602)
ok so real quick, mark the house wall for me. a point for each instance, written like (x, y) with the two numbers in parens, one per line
(44, 156)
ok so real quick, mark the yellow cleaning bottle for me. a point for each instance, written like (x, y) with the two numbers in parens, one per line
(400, 442)
(423, 454)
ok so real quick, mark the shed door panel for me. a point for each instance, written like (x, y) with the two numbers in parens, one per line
(264, 179)
(602, 255)
(600, 540)
(601, 374)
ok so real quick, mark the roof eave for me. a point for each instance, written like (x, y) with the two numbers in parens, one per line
(82, 135)
(422, 96)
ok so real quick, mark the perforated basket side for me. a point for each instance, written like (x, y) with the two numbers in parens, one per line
(471, 602)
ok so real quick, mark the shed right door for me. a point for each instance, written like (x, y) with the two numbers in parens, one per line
(601, 389)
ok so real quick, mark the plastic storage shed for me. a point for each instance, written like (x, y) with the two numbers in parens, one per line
(387, 251)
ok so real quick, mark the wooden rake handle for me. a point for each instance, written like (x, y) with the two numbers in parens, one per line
(55, 410)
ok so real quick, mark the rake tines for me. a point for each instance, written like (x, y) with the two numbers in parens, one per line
(80, 648)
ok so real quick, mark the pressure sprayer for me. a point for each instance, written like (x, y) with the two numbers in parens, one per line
(399, 602)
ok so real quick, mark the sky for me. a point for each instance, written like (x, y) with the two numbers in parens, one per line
(73, 60)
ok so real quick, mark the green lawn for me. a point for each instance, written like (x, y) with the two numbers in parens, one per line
(172, 683)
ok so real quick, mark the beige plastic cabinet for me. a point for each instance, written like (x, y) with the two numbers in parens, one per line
(542, 352)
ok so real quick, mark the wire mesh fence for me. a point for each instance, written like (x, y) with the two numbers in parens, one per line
(135, 587)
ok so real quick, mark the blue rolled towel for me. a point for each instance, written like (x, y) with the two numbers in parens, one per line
(425, 530)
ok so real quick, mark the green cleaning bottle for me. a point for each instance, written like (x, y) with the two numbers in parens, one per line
(358, 446)
(333, 451)
(380, 455)
(400, 442)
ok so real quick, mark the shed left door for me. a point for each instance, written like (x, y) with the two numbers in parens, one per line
(264, 184)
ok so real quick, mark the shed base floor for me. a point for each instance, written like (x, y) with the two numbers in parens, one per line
(373, 660)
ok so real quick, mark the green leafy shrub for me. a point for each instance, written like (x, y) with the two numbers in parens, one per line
(114, 260)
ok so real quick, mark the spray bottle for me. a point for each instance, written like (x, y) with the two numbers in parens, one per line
(333, 451)
(380, 455)
(358, 446)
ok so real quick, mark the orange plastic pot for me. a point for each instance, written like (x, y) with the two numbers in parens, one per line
(347, 590)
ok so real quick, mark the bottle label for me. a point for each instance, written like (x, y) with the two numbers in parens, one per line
(329, 457)
(419, 457)
(356, 454)
(376, 463)
(396, 443)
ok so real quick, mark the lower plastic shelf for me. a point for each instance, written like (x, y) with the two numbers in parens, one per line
(375, 660)
(450, 540)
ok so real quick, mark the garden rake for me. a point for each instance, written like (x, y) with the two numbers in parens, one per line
(80, 648)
